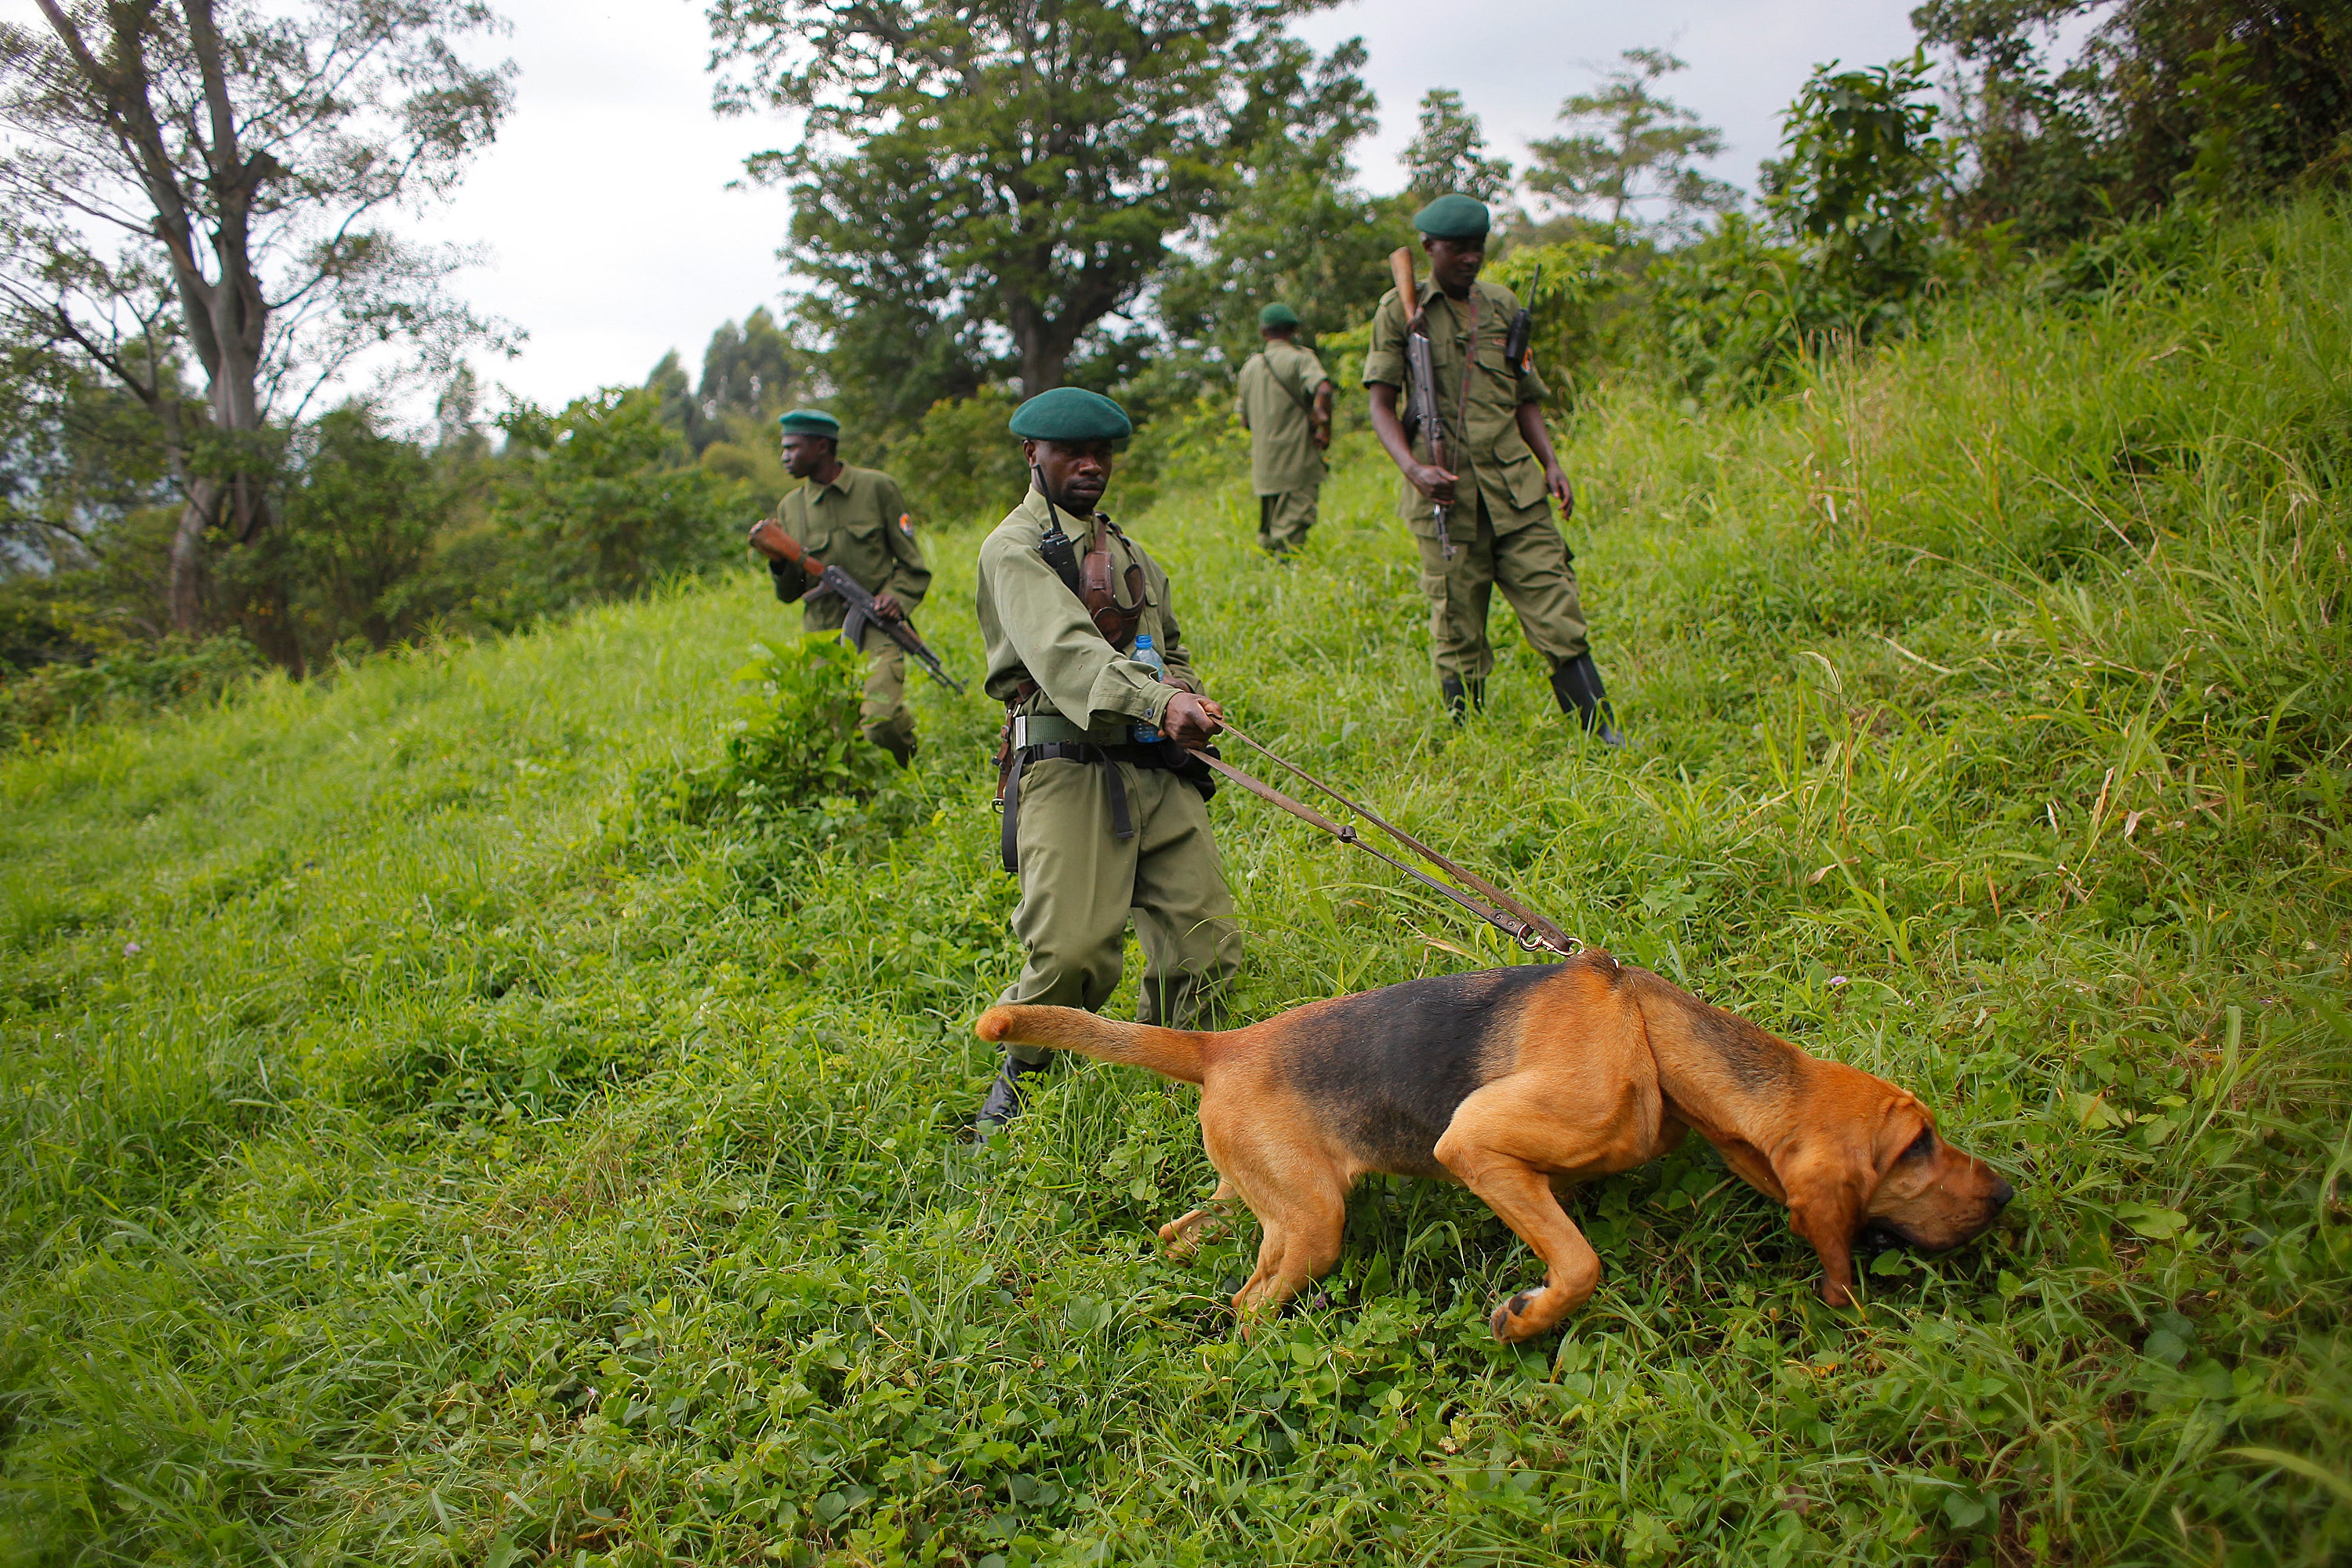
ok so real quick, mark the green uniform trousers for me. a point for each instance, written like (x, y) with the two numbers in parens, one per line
(1530, 564)
(1283, 520)
(882, 713)
(1078, 885)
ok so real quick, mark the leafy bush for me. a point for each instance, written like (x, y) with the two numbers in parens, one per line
(1846, 252)
(1733, 312)
(1858, 185)
(132, 678)
(797, 752)
(606, 489)
(345, 566)
(960, 464)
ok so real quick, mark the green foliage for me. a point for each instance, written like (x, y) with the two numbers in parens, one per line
(2223, 99)
(796, 754)
(1736, 313)
(41, 706)
(1858, 178)
(1448, 154)
(78, 456)
(960, 464)
(1005, 168)
(1628, 146)
(747, 376)
(606, 497)
(244, 243)
(410, 1164)
(346, 567)
(1297, 230)
(1847, 253)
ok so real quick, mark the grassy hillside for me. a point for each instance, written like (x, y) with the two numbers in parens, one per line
(418, 1154)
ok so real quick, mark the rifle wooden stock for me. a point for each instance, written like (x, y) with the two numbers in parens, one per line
(1401, 269)
(769, 538)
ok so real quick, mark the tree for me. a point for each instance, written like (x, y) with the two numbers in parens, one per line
(345, 562)
(77, 456)
(2216, 98)
(1860, 176)
(1449, 152)
(1297, 228)
(212, 180)
(606, 498)
(746, 371)
(1003, 169)
(747, 368)
(2028, 152)
(1628, 146)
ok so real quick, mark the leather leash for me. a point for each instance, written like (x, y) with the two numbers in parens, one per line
(1514, 919)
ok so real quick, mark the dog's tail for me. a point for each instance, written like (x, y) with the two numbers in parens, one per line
(1175, 1053)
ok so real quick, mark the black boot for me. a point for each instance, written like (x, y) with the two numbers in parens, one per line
(1578, 686)
(1462, 695)
(898, 742)
(1006, 1096)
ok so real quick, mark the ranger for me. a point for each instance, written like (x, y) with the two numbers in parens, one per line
(1283, 400)
(855, 519)
(1499, 479)
(1105, 810)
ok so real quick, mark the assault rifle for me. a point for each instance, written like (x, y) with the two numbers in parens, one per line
(770, 541)
(1420, 384)
(1523, 329)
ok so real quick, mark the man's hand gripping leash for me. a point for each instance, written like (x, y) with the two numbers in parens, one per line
(770, 540)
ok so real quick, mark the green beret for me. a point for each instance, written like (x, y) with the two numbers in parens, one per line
(1071, 414)
(1456, 217)
(1277, 316)
(810, 422)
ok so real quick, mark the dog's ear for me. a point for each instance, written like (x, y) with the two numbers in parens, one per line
(1828, 1189)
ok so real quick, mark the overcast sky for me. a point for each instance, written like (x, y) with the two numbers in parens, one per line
(614, 236)
(611, 236)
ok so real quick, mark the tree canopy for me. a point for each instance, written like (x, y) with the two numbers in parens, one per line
(992, 184)
(207, 184)
(1448, 152)
(1628, 148)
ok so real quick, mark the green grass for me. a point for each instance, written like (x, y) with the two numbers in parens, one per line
(418, 1154)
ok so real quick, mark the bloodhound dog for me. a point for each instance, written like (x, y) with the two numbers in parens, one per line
(1518, 1082)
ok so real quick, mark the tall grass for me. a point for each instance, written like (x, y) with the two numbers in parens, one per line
(420, 1154)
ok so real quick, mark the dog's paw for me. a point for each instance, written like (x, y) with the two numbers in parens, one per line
(1505, 1319)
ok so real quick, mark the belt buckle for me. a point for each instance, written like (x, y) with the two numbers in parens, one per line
(1020, 734)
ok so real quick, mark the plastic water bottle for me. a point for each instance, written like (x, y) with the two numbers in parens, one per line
(1147, 656)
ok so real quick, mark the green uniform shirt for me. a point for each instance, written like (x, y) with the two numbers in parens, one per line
(1036, 629)
(1276, 398)
(859, 522)
(1482, 443)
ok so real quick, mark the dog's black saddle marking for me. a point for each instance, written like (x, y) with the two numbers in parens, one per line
(1386, 1069)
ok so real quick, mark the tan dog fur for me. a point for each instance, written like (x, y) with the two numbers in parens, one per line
(1518, 1083)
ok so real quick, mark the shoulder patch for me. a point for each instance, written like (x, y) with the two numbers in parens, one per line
(906, 524)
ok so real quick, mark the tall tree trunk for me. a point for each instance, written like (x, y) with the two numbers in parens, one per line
(187, 581)
(1044, 351)
(1041, 366)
